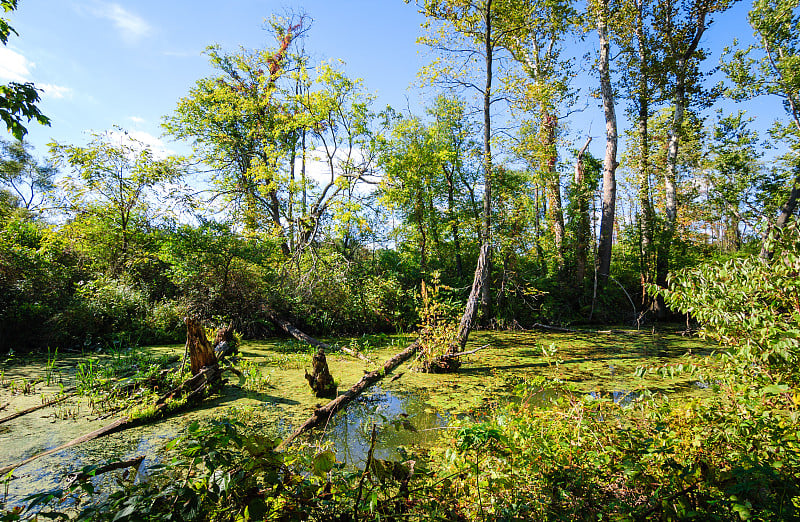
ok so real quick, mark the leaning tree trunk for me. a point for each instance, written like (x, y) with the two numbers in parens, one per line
(467, 320)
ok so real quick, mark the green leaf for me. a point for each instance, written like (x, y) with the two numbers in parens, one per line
(323, 463)
(774, 389)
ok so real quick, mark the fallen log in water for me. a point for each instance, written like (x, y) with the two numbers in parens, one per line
(115, 426)
(322, 414)
(204, 376)
(48, 402)
(298, 334)
(80, 476)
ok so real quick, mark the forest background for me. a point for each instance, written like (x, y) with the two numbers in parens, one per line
(298, 193)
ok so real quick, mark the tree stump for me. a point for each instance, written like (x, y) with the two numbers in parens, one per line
(320, 379)
(201, 353)
(224, 342)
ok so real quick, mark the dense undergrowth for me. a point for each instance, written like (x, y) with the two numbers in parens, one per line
(734, 455)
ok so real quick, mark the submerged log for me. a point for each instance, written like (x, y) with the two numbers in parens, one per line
(47, 402)
(320, 378)
(206, 376)
(114, 427)
(322, 414)
(80, 476)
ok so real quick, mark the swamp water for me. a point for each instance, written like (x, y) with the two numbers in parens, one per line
(412, 410)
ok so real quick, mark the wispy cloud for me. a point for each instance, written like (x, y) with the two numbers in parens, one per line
(136, 119)
(132, 27)
(136, 138)
(55, 91)
(14, 67)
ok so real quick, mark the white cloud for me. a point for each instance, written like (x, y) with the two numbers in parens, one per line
(132, 27)
(136, 119)
(54, 91)
(157, 145)
(14, 67)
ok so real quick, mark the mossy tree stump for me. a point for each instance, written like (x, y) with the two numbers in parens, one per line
(320, 378)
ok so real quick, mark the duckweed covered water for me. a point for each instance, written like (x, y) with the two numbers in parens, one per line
(407, 408)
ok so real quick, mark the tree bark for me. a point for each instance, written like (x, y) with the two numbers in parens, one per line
(201, 353)
(583, 221)
(467, 320)
(320, 378)
(610, 160)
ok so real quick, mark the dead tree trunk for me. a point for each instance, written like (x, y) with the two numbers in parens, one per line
(290, 329)
(114, 427)
(320, 378)
(321, 415)
(467, 320)
(201, 353)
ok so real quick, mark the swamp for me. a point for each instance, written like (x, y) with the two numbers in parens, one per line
(409, 413)
(555, 278)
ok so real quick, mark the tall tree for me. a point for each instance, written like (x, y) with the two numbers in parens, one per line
(643, 80)
(239, 127)
(772, 67)
(601, 14)
(263, 108)
(470, 36)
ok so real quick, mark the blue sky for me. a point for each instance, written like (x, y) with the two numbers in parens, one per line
(127, 62)
(104, 63)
